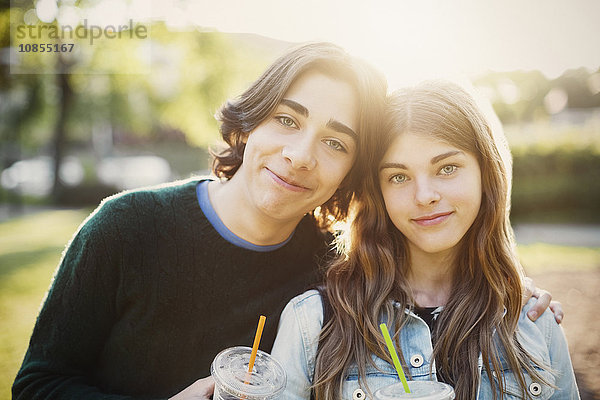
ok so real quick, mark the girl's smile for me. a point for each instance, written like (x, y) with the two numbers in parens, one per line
(432, 220)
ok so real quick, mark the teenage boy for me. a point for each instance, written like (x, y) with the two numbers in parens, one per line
(157, 281)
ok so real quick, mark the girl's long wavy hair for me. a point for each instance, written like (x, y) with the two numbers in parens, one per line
(485, 300)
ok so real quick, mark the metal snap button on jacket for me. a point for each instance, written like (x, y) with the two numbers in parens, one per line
(535, 389)
(358, 394)
(416, 360)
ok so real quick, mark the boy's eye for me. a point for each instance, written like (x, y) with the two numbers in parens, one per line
(335, 145)
(286, 121)
(448, 169)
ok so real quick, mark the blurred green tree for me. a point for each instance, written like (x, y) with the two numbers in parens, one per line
(575, 83)
(177, 87)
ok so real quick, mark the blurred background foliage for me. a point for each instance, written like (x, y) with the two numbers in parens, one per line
(72, 138)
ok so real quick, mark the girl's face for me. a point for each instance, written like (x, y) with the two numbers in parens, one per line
(432, 191)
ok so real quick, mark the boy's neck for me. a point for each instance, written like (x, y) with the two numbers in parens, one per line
(236, 212)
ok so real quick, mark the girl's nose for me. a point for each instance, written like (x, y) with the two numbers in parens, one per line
(425, 192)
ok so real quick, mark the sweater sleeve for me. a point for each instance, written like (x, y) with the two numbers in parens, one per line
(77, 316)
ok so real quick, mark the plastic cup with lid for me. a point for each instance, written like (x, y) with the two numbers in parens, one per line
(421, 390)
(233, 381)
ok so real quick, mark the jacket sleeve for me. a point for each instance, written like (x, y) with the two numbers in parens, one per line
(76, 318)
(296, 343)
(560, 361)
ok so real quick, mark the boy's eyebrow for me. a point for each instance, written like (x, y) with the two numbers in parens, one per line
(299, 108)
(332, 123)
(434, 160)
(342, 128)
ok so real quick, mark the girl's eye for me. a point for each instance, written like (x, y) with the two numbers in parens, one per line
(398, 178)
(335, 145)
(286, 121)
(448, 169)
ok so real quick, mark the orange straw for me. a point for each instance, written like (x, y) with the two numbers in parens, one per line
(261, 325)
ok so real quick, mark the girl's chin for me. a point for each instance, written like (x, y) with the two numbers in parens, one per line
(437, 247)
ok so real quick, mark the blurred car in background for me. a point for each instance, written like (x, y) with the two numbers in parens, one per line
(35, 176)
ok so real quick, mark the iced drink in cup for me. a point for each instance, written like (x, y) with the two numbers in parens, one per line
(232, 380)
(421, 390)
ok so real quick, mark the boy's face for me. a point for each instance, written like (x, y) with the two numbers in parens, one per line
(296, 159)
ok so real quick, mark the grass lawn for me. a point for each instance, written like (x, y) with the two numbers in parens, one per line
(30, 248)
(541, 257)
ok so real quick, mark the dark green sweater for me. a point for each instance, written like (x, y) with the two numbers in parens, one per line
(148, 293)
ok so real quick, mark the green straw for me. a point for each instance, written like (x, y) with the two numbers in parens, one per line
(392, 350)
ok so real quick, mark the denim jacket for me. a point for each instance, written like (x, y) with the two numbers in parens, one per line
(300, 325)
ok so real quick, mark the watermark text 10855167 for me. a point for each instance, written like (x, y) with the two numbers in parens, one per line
(42, 45)
(46, 47)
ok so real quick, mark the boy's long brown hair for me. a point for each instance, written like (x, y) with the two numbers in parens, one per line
(240, 116)
(485, 300)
